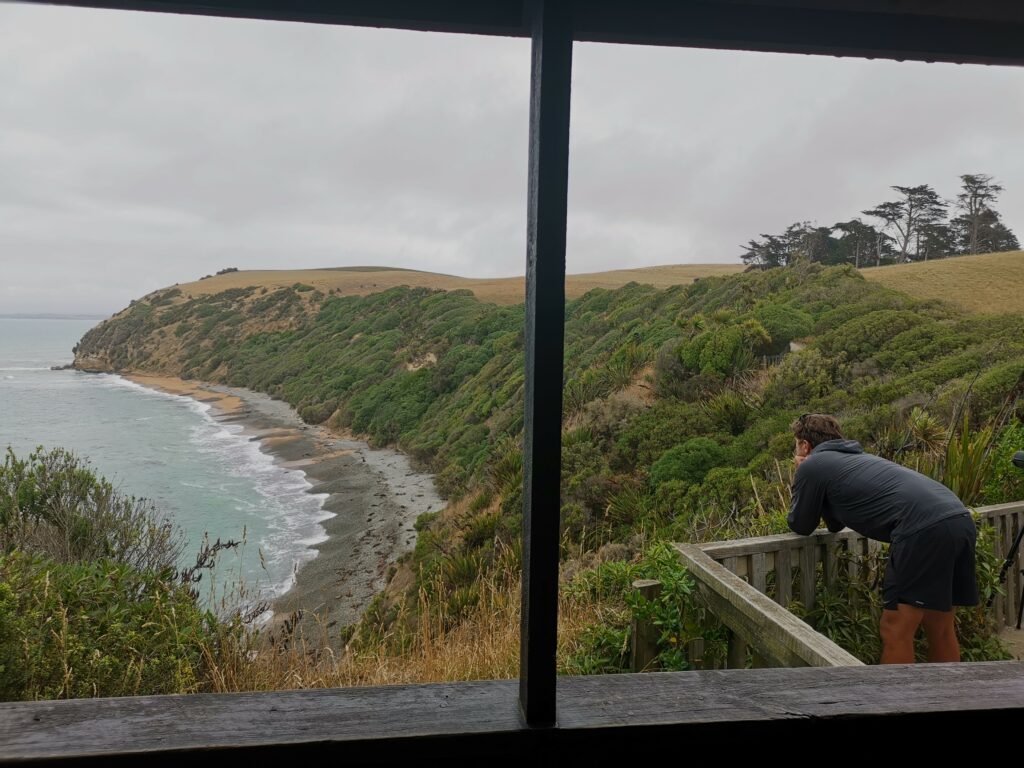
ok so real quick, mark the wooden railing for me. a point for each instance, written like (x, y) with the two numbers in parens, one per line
(776, 637)
(1007, 520)
(794, 561)
(748, 584)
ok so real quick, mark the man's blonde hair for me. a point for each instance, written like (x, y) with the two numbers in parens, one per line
(816, 428)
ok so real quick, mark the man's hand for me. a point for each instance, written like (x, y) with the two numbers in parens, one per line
(798, 459)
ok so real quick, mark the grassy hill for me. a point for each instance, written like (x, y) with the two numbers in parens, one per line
(988, 283)
(360, 281)
(991, 283)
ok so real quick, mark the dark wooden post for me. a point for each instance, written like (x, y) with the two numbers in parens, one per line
(545, 321)
(644, 648)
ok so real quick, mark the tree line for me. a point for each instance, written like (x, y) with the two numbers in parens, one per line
(916, 226)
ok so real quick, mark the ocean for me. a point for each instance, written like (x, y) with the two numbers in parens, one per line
(209, 479)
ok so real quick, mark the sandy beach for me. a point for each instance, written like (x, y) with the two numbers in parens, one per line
(374, 495)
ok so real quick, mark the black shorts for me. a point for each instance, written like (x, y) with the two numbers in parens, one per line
(934, 568)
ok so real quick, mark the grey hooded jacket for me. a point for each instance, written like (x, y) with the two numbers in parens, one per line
(873, 496)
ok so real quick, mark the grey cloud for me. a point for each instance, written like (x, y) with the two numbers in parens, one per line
(139, 150)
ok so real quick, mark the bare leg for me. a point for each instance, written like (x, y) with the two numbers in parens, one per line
(898, 628)
(941, 633)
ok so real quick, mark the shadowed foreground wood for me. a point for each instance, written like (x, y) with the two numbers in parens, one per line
(599, 717)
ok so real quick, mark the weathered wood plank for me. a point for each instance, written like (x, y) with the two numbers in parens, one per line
(759, 572)
(695, 653)
(1009, 615)
(464, 720)
(1000, 510)
(1018, 582)
(783, 578)
(743, 568)
(730, 564)
(999, 603)
(808, 574)
(831, 563)
(1017, 570)
(858, 558)
(737, 658)
(644, 647)
(718, 550)
(768, 628)
(1006, 541)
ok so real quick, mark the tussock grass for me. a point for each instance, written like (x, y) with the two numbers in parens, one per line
(483, 645)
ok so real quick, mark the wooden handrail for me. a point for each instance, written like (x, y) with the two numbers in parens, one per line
(752, 559)
(775, 634)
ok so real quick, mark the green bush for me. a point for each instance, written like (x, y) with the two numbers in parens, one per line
(54, 505)
(688, 462)
(725, 350)
(98, 629)
(1006, 482)
(784, 323)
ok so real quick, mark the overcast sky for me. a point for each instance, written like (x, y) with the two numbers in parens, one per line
(140, 150)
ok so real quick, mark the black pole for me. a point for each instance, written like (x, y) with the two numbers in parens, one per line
(545, 330)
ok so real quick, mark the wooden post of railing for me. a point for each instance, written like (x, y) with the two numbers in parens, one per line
(695, 653)
(809, 573)
(783, 577)
(830, 565)
(644, 648)
(737, 651)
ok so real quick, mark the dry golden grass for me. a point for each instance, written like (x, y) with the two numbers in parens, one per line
(988, 283)
(507, 290)
(483, 646)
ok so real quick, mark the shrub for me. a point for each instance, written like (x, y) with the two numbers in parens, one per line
(1005, 482)
(53, 504)
(70, 630)
(783, 323)
(688, 462)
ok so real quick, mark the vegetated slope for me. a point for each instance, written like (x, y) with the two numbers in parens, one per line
(677, 401)
(988, 283)
(440, 373)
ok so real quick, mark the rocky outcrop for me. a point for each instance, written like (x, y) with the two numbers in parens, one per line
(93, 363)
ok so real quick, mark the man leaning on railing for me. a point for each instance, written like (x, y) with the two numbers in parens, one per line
(931, 534)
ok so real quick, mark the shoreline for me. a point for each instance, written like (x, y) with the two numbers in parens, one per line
(374, 496)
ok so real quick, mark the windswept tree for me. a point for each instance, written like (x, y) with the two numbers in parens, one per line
(887, 215)
(913, 227)
(769, 251)
(856, 243)
(802, 241)
(935, 240)
(909, 218)
(978, 227)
